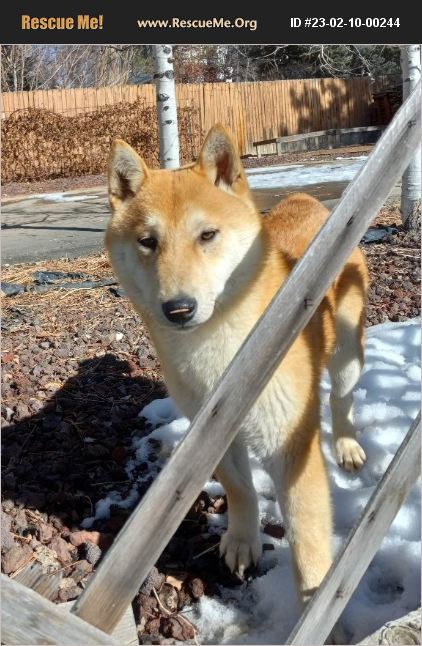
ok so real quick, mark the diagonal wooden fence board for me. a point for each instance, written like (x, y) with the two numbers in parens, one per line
(33, 576)
(46, 584)
(28, 618)
(160, 512)
(125, 632)
(405, 630)
(362, 544)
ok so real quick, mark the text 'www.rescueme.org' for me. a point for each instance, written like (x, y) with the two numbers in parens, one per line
(198, 23)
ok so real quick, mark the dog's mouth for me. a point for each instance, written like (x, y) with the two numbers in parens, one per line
(186, 326)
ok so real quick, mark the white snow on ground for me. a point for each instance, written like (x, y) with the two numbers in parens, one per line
(264, 610)
(301, 175)
(63, 197)
(343, 169)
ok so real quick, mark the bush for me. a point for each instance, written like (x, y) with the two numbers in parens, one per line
(38, 144)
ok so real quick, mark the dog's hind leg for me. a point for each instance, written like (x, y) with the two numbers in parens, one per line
(241, 544)
(345, 366)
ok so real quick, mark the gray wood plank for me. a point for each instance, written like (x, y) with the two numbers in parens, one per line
(125, 632)
(364, 540)
(28, 618)
(157, 516)
(33, 576)
(405, 630)
(317, 133)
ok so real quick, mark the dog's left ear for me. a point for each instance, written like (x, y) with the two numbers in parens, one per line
(220, 161)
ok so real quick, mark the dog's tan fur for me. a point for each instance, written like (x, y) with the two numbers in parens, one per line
(233, 277)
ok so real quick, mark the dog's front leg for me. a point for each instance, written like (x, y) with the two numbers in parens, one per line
(305, 502)
(241, 544)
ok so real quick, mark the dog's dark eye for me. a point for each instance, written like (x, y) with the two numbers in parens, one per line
(148, 242)
(206, 236)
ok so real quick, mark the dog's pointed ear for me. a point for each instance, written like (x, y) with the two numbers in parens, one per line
(126, 172)
(220, 161)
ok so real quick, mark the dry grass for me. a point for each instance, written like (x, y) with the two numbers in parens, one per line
(97, 266)
(389, 215)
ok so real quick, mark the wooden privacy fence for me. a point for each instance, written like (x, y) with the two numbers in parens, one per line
(252, 111)
(146, 533)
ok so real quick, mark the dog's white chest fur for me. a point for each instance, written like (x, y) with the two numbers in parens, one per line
(193, 362)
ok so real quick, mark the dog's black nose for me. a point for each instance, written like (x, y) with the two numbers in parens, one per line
(180, 310)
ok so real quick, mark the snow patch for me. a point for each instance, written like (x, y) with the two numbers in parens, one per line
(343, 170)
(63, 197)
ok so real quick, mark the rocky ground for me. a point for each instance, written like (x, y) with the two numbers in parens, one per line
(62, 184)
(77, 369)
(394, 268)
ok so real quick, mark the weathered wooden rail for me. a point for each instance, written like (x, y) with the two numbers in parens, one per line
(146, 533)
(404, 630)
(321, 139)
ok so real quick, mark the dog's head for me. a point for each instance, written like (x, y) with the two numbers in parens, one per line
(183, 242)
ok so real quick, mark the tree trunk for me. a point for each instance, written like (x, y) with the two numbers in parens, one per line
(166, 106)
(411, 181)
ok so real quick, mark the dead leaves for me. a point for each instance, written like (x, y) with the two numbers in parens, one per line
(161, 609)
(35, 139)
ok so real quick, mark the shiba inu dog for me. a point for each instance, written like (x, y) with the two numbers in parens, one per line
(200, 265)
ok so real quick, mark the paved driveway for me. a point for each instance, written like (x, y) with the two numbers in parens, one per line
(54, 226)
(57, 225)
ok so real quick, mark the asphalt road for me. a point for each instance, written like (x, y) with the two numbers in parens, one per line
(73, 224)
(38, 228)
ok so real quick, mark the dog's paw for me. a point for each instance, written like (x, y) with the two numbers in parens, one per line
(349, 454)
(240, 551)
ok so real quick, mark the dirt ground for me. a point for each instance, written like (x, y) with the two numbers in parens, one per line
(77, 369)
(62, 184)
